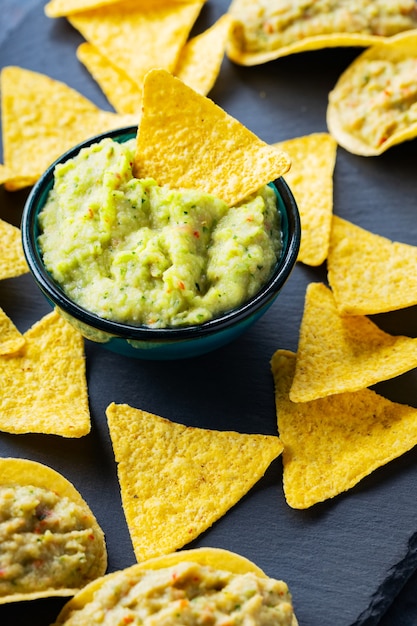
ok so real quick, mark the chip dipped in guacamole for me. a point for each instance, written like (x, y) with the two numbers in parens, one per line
(50, 542)
(200, 586)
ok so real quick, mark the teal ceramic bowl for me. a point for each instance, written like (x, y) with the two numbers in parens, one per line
(158, 343)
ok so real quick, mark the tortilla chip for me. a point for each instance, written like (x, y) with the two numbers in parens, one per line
(44, 387)
(43, 118)
(12, 259)
(244, 12)
(369, 126)
(368, 273)
(201, 58)
(185, 140)
(216, 558)
(122, 92)
(337, 354)
(310, 178)
(331, 444)
(23, 472)
(135, 38)
(11, 340)
(176, 481)
(63, 8)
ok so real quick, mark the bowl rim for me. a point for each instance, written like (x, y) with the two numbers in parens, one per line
(287, 207)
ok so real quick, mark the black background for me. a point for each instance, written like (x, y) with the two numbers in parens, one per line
(345, 559)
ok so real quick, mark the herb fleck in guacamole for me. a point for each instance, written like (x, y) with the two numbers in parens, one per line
(129, 250)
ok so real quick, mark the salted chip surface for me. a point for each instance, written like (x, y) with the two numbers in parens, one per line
(201, 58)
(12, 259)
(42, 118)
(51, 543)
(123, 93)
(332, 443)
(337, 354)
(43, 386)
(269, 30)
(136, 36)
(310, 178)
(11, 339)
(372, 106)
(185, 140)
(175, 480)
(369, 273)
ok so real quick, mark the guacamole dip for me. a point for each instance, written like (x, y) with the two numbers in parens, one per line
(46, 542)
(131, 251)
(272, 24)
(187, 593)
(379, 100)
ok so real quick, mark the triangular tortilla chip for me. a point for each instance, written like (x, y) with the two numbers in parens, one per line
(42, 118)
(202, 56)
(12, 259)
(11, 340)
(371, 107)
(176, 481)
(123, 93)
(310, 178)
(63, 8)
(43, 386)
(198, 66)
(337, 354)
(185, 140)
(135, 38)
(332, 443)
(265, 31)
(368, 273)
(69, 528)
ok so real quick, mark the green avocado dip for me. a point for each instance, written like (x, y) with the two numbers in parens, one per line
(131, 251)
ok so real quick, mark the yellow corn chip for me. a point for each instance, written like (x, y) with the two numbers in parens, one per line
(332, 443)
(43, 386)
(62, 8)
(42, 118)
(338, 353)
(176, 481)
(123, 93)
(12, 259)
(372, 106)
(44, 544)
(313, 159)
(137, 39)
(11, 340)
(265, 31)
(201, 58)
(198, 66)
(368, 273)
(185, 140)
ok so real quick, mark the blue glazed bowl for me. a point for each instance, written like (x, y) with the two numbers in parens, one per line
(158, 343)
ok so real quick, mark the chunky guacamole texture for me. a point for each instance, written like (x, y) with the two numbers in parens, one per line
(271, 24)
(46, 542)
(379, 100)
(187, 593)
(131, 251)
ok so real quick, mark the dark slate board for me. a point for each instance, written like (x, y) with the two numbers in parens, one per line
(344, 560)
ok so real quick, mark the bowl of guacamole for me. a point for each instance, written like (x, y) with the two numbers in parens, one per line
(150, 271)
